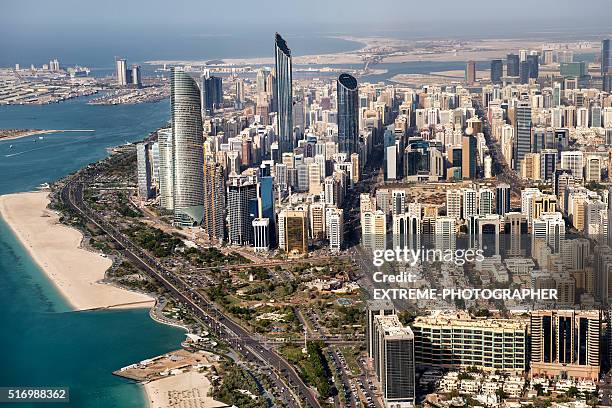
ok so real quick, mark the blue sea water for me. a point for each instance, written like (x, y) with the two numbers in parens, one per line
(43, 342)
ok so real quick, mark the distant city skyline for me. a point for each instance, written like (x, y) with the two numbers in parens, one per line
(78, 34)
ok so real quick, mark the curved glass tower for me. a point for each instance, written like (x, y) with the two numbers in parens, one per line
(283, 93)
(348, 113)
(187, 149)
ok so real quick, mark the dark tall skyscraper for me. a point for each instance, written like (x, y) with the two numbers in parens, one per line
(534, 65)
(497, 70)
(502, 199)
(512, 65)
(348, 113)
(606, 57)
(187, 149)
(283, 94)
(241, 210)
(522, 143)
(524, 72)
(212, 93)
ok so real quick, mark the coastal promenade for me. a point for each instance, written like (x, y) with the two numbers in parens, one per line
(254, 350)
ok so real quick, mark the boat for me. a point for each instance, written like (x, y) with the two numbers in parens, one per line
(41, 137)
(10, 146)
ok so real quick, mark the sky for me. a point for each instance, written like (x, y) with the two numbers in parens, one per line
(203, 14)
(77, 30)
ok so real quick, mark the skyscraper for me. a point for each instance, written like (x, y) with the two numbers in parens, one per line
(502, 198)
(144, 171)
(522, 144)
(283, 94)
(212, 93)
(606, 65)
(470, 72)
(121, 72)
(348, 113)
(468, 157)
(214, 200)
(187, 149)
(497, 70)
(242, 209)
(395, 360)
(566, 342)
(606, 57)
(135, 76)
(524, 72)
(512, 65)
(166, 169)
(534, 65)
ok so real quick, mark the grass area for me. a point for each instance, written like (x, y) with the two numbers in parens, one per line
(351, 354)
(235, 386)
(312, 366)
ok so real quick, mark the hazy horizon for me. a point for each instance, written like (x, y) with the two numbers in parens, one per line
(76, 32)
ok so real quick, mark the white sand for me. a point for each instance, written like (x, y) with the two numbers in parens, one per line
(56, 248)
(186, 390)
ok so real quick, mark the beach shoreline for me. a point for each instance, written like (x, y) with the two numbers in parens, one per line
(56, 248)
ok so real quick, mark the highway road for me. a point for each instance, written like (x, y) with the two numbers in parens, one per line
(240, 339)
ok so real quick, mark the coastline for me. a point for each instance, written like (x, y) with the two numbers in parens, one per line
(75, 271)
(35, 132)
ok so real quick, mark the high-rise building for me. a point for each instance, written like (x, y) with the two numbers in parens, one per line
(187, 149)
(295, 231)
(534, 65)
(470, 203)
(335, 228)
(606, 57)
(566, 342)
(376, 308)
(374, 230)
(166, 169)
(283, 94)
(212, 93)
(135, 76)
(459, 341)
(549, 227)
(524, 72)
(241, 210)
(497, 71)
(502, 199)
(348, 113)
(486, 201)
(548, 164)
(512, 65)
(453, 203)
(121, 72)
(522, 143)
(214, 200)
(261, 232)
(143, 160)
(395, 361)
(470, 73)
(573, 160)
(261, 80)
(468, 157)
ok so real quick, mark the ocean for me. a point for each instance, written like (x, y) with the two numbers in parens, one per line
(43, 342)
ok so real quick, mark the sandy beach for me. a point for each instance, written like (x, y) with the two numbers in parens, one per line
(185, 390)
(56, 248)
